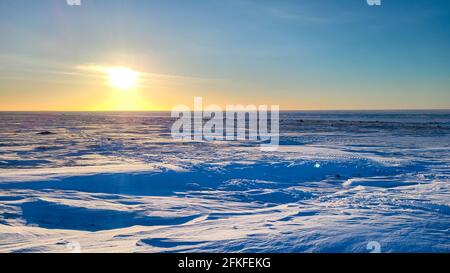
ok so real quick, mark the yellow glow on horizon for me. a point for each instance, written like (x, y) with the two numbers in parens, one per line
(125, 101)
(122, 78)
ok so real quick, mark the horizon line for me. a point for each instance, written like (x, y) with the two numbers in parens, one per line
(289, 110)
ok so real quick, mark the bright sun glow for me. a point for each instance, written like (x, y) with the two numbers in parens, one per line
(122, 77)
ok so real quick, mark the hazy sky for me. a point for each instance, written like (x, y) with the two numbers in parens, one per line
(302, 54)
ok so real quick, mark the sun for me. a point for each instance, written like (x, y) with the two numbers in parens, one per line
(122, 78)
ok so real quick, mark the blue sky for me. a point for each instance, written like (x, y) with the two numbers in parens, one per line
(303, 54)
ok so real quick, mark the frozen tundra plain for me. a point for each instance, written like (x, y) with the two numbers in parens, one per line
(118, 182)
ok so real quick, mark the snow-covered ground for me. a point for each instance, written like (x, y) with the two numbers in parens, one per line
(117, 182)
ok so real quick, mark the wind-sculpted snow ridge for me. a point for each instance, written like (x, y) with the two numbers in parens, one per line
(117, 182)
